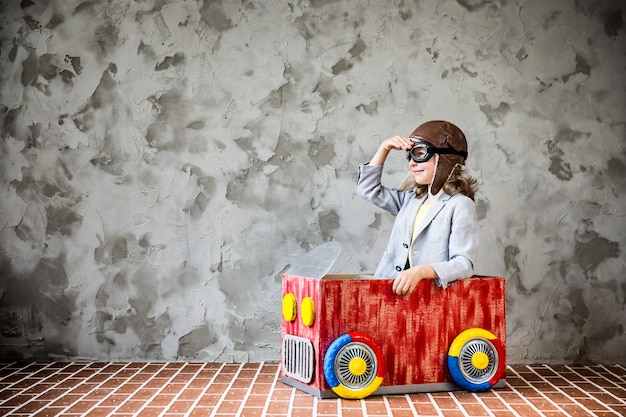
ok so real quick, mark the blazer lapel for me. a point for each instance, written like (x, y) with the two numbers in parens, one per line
(434, 210)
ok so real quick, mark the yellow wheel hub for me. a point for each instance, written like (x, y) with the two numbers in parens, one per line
(480, 360)
(357, 366)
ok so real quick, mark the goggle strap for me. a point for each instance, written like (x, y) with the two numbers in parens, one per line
(449, 151)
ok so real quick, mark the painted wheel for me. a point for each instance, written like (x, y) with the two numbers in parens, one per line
(354, 366)
(476, 360)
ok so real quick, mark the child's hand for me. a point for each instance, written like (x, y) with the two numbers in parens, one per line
(407, 280)
(398, 142)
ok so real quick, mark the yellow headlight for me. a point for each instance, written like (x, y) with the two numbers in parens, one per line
(308, 311)
(290, 307)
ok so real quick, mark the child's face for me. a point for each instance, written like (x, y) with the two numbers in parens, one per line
(423, 172)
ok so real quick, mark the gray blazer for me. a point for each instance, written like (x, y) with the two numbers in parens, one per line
(447, 238)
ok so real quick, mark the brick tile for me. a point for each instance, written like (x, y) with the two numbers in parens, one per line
(217, 388)
(127, 388)
(525, 410)
(401, 413)
(165, 373)
(148, 412)
(397, 402)
(130, 406)
(609, 399)
(301, 400)
(52, 393)
(326, 407)
(347, 404)
(101, 412)
(235, 394)
(98, 394)
(559, 398)
(574, 392)
(251, 412)
(475, 410)
(190, 393)
(45, 412)
(620, 409)
(500, 413)
(138, 379)
(6, 393)
(255, 400)
(531, 392)
(81, 407)
(278, 407)
(375, 409)
(573, 410)
(266, 378)
(32, 407)
(83, 388)
(494, 404)
(199, 383)
(592, 405)
(242, 383)
(206, 373)
(543, 404)
(229, 407)
(180, 407)
(161, 400)
(351, 412)
(247, 373)
(209, 400)
(281, 394)
(171, 388)
(465, 397)
(446, 403)
(426, 409)
(258, 388)
(113, 400)
(452, 413)
(66, 400)
(144, 394)
(511, 398)
(559, 382)
(223, 378)
(201, 412)
(302, 412)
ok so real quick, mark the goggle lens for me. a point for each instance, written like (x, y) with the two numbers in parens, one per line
(419, 153)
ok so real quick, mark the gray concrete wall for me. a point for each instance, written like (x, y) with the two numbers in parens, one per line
(164, 162)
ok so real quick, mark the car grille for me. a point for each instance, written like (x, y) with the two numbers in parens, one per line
(298, 357)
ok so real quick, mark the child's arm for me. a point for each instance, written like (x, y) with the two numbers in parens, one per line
(369, 186)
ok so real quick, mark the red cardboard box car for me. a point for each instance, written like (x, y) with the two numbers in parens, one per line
(349, 336)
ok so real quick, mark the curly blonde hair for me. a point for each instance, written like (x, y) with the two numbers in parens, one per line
(458, 182)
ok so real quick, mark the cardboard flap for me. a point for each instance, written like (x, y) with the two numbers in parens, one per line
(317, 262)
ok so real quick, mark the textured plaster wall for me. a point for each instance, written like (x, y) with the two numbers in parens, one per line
(163, 162)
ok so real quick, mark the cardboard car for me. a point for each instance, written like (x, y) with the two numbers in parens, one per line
(350, 336)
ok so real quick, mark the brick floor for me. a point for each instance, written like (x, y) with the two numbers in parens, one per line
(254, 390)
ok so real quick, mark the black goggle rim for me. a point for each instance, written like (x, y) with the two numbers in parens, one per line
(431, 150)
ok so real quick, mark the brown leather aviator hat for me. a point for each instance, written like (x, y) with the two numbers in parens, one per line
(445, 139)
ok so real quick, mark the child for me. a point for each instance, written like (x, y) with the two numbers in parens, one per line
(435, 234)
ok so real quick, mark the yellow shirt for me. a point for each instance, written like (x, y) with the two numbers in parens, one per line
(419, 218)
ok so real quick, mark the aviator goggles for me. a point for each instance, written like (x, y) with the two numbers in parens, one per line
(423, 151)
